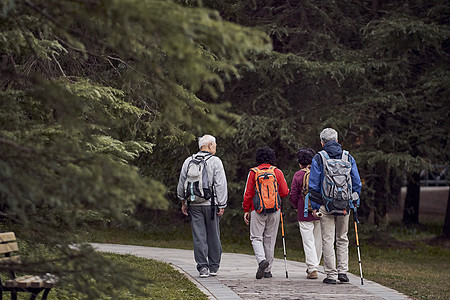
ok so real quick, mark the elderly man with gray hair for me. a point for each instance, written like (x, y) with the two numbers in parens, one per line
(202, 189)
(334, 186)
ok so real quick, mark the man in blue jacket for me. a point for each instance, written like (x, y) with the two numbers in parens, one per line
(333, 225)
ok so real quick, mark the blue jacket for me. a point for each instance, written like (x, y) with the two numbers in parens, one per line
(334, 150)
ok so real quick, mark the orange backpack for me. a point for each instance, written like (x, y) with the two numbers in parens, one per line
(267, 199)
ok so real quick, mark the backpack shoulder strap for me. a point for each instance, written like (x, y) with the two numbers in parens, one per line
(207, 156)
(201, 158)
(193, 158)
(305, 209)
(306, 169)
(255, 169)
(324, 155)
(305, 182)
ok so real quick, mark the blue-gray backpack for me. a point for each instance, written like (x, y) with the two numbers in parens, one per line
(337, 183)
(196, 186)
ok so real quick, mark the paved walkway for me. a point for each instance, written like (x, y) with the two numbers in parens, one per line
(236, 279)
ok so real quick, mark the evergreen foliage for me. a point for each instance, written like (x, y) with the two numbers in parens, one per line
(87, 89)
(101, 101)
(377, 71)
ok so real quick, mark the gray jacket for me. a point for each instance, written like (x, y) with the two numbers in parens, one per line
(216, 174)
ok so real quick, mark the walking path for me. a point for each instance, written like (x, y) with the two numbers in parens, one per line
(236, 279)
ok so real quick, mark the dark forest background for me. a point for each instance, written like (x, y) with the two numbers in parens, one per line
(101, 101)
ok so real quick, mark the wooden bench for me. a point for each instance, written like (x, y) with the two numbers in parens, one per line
(28, 283)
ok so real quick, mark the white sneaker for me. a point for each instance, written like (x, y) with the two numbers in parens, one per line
(214, 273)
(204, 272)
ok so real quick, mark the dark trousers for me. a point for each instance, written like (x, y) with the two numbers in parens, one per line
(206, 237)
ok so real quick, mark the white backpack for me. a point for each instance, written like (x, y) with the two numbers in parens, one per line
(196, 186)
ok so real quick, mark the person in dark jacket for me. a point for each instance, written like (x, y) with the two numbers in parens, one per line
(333, 226)
(310, 225)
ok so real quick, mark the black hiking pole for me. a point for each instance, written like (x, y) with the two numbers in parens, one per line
(355, 219)
(284, 245)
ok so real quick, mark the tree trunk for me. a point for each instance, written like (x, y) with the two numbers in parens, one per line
(375, 6)
(381, 204)
(380, 216)
(412, 201)
(446, 231)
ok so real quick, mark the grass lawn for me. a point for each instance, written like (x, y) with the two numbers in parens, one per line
(161, 281)
(410, 261)
(164, 282)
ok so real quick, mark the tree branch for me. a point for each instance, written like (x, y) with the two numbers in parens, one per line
(15, 145)
(59, 65)
(40, 11)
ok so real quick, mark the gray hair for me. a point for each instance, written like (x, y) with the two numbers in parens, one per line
(205, 140)
(328, 135)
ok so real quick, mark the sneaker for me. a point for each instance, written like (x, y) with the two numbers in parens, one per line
(204, 272)
(214, 273)
(312, 275)
(329, 281)
(262, 266)
(267, 274)
(343, 278)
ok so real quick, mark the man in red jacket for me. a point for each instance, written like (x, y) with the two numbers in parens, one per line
(263, 226)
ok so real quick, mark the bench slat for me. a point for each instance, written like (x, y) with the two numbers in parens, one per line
(29, 281)
(14, 282)
(10, 260)
(42, 284)
(24, 283)
(37, 283)
(10, 247)
(7, 237)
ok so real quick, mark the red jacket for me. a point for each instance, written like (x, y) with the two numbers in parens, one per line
(249, 193)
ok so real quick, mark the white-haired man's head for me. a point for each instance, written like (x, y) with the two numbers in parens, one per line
(328, 135)
(207, 143)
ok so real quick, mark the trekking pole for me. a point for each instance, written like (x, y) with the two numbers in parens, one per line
(284, 245)
(355, 219)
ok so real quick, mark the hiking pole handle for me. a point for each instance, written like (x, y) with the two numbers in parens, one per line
(355, 216)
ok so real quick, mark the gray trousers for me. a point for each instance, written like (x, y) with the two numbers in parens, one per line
(263, 234)
(334, 228)
(206, 237)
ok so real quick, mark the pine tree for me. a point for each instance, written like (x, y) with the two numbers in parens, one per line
(377, 71)
(88, 88)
